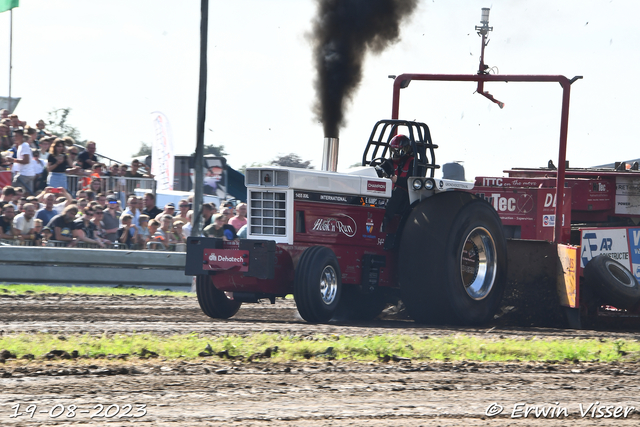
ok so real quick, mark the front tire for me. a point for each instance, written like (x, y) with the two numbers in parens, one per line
(452, 260)
(318, 285)
(213, 302)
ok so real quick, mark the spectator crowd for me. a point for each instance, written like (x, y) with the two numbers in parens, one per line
(54, 217)
(38, 207)
(37, 159)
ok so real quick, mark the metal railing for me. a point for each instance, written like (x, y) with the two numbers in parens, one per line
(151, 246)
(118, 184)
(96, 266)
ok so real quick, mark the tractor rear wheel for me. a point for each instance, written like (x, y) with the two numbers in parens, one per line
(452, 260)
(213, 302)
(317, 285)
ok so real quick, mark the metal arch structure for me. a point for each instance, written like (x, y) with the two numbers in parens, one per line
(403, 80)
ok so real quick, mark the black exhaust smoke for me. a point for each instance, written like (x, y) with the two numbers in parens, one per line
(343, 32)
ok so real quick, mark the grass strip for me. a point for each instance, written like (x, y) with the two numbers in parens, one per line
(332, 347)
(26, 289)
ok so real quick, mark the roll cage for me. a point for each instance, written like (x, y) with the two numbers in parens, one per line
(421, 144)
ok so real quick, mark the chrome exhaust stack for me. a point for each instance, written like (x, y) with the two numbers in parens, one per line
(330, 154)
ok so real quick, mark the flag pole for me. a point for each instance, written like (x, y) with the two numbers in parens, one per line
(10, 57)
(202, 114)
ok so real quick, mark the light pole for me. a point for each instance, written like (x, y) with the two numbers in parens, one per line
(483, 30)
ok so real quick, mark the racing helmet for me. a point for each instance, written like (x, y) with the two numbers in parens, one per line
(400, 146)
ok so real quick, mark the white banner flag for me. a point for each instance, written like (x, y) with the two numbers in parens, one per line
(162, 162)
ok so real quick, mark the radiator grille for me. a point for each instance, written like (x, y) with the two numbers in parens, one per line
(268, 213)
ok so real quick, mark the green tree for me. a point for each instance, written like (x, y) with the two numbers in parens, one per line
(145, 150)
(243, 168)
(291, 160)
(58, 124)
(213, 150)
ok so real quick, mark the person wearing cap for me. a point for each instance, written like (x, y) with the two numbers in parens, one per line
(169, 209)
(45, 143)
(219, 229)
(182, 214)
(47, 233)
(132, 209)
(111, 218)
(86, 231)
(31, 135)
(25, 173)
(63, 225)
(166, 230)
(178, 233)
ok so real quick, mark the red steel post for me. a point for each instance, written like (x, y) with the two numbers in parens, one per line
(480, 79)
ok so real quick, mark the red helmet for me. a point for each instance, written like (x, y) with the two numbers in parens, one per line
(400, 146)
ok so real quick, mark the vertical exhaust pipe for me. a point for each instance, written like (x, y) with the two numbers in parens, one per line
(330, 154)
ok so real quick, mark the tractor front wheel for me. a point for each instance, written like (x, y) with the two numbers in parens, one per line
(213, 302)
(318, 285)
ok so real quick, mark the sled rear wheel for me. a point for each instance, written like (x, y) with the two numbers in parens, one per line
(613, 282)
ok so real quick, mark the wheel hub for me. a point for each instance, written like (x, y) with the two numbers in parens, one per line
(328, 285)
(478, 263)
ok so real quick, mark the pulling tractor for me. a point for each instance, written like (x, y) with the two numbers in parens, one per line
(318, 234)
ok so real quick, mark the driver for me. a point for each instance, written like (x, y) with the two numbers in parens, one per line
(398, 168)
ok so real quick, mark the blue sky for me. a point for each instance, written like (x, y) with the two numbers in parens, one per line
(115, 62)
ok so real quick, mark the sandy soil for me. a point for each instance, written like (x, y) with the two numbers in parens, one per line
(218, 392)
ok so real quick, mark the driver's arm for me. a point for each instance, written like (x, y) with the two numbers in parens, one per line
(385, 169)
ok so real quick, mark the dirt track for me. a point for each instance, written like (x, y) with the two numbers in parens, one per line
(219, 392)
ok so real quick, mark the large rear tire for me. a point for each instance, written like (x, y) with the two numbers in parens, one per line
(318, 285)
(213, 302)
(452, 260)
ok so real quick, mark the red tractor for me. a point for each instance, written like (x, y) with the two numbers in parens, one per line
(318, 235)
